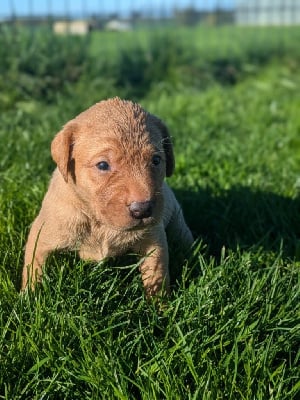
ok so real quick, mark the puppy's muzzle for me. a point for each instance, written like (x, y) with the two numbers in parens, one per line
(140, 210)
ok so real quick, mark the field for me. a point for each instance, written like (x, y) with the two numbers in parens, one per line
(231, 327)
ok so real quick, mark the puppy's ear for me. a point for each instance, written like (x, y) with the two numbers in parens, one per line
(61, 148)
(167, 145)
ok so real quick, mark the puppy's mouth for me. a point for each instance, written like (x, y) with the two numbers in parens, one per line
(141, 224)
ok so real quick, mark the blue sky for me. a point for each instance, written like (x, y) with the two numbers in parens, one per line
(81, 7)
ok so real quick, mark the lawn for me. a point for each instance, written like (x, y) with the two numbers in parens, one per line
(231, 327)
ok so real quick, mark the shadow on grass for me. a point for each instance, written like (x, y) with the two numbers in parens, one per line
(244, 218)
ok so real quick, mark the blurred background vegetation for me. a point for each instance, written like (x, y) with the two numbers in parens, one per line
(132, 53)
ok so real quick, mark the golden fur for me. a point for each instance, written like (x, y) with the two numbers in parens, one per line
(107, 195)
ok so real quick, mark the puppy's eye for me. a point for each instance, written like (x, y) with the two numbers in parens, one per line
(103, 166)
(156, 160)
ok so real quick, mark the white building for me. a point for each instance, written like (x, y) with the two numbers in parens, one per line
(118, 25)
(76, 27)
(267, 12)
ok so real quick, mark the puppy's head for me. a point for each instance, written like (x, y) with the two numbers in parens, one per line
(115, 156)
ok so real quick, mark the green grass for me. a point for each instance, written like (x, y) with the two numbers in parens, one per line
(231, 328)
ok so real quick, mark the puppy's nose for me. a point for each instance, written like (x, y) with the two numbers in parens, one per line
(139, 210)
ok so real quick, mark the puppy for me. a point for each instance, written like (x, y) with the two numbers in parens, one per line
(107, 195)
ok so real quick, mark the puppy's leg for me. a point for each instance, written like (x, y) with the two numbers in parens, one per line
(178, 232)
(36, 252)
(155, 269)
(49, 232)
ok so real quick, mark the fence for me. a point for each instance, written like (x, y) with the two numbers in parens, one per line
(128, 13)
